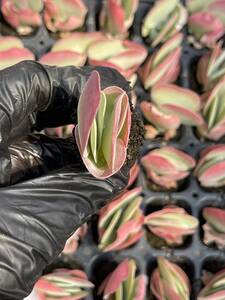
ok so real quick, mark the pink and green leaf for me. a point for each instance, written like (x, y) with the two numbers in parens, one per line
(63, 58)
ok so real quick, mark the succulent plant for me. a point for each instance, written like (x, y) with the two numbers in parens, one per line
(123, 55)
(163, 21)
(217, 7)
(169, 281)
(120, 222)
(14, 55)
(12, 51)
(214, 228)
(172, 224)
(166, 166)
(22, 15)
(205, 27)
(173, 100)
(213, 112)
(63, 58)
(162, 123)
(73, 242)
(164, 64)
(123, 283)
(64, 284)
(77, 41)
(102, 132)
(134, 172)
(210, 169)
(61, 132)
(117, 16)
(8, 42)
(64, 15)
(211, 67)
(214, 288)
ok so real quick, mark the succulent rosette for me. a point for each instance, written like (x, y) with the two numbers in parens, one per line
(164, 64)
(205, 27)
(169, 281)
(161, 123)
(12, 51)
(173, 100)
(172, 224)
(167, 166)
(103, 129)
(64, 15)
(123, 55)
(211, 67)
(117, 16)
(22, 15)
(210, 169)
(163, 21)
(170, 107)
(214, 228)
(217, 7)
(213, 112)
(64, 284)
(214, 288)
(123, 283)
(73, 242)
(120, 222)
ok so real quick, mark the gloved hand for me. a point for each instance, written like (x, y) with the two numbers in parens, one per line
(34, 97)
(38, 215)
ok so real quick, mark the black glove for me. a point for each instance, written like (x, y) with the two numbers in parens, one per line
(38, 216)
(33, 97)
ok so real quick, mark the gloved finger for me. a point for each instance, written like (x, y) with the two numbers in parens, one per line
(37, 154)
(38, 216)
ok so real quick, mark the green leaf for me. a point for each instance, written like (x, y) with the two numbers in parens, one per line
(93, 141)
(107, 236)
(129, 284)
(101, 118)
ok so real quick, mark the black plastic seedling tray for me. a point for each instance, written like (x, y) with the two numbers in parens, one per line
(193, 256)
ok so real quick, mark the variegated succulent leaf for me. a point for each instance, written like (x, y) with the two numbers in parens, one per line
(215, 288)
(178, 101)
(214, 113)
(163, 21)
(13, 56)
(22, 15)
(117, 16)
(205, 27)
(102, 132)
(63, 59)
(64, 16)
(123, 55)
(210, 169)
(164, 64)
(162, 123)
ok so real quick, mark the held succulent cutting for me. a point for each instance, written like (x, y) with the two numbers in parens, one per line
(102, 132)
